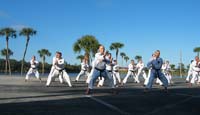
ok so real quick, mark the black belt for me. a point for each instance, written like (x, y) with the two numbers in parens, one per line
(132, 71)
(116, 70)
(101, 70)
(109, 70)
(60, 70)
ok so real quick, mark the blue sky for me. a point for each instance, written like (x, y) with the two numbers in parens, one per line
(142, 25)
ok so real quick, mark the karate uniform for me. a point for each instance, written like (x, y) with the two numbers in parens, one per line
(190, 71)
(156, 65)
(195, 72)
(116, 75)
(109, 68)
(141, 71)
(99, 69)
(166, 70)
(33, 70)
(84, 68)
(131, 72)
(59, 71)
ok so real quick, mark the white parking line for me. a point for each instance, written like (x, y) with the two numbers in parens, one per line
(175, 104)
(108, 105)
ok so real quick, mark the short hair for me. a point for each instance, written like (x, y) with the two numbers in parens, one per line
(59, 53)
(158, 51)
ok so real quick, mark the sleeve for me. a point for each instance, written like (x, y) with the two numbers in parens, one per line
(149, 64)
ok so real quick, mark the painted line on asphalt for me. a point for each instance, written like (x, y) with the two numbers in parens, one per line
(175, 104)
(107, 105)
(169, 106)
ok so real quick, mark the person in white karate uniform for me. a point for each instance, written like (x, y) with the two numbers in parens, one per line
(99, 69)
(33, 69)
(116, 75)
(196, 71)
(59, 70)
(140, 67)
(167, 72)
(109, 68)
(149, 72)
(131, 72)
(189, 75)
(84, 70)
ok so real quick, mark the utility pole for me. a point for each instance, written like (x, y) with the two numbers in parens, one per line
(180, 63)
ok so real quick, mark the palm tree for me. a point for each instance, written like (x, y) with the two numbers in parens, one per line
(27, 32)
(122, 54)
(126, 58)
(43, 53)
(172, 66)
(8, 33)
(4, 53)
(137, 57)
(80, 57)
(89, 44)
(116, 46)
(197, 49)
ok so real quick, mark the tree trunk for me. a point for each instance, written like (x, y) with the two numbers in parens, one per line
(43, 65)
(6, 66)
(7, 57)
(122, 60)
(22, 67)
(117, 54)
(87, 57)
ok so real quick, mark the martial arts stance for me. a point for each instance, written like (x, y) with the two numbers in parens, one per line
(149, 72)
(33, 69)
(99, 69)
(190, 71)
(131, 72)
(109, 68)
(84, 70)
(59, 70)
(167, 72)
(116, 75)
(195, 71)
(140, 67)
(156, 64)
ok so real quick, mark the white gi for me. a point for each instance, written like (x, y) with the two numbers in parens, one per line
(109, 68)
(195, 72)
(146, 81)
(141, 71)
(58, 70)
(99, 69)
(166, 71)
(116, 75)
(90, 74)
(131, 72)
(84, 70)
(190, 71)
(149, 74)
(33, 70)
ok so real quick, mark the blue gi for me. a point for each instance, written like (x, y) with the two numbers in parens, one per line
(156, 65)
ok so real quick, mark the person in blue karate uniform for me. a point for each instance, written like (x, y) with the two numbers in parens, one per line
(156, 64)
